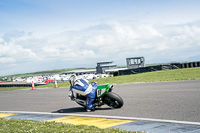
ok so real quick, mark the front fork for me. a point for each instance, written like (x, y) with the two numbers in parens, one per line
(111, 88)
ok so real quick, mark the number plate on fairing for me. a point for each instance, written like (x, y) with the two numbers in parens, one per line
(100, 92)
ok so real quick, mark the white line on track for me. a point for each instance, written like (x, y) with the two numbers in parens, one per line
(104, 116)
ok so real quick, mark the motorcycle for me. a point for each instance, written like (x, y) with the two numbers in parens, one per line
(104, 95)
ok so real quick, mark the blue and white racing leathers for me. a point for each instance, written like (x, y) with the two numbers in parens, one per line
(82, 87)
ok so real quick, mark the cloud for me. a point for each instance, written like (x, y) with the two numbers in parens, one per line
(13, 35)
(111, 40)
(8, 60)
(12, 53)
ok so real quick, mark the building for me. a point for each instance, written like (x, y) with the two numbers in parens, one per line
(81, 72)
(135, 62)
(103, 66)
(108, 67)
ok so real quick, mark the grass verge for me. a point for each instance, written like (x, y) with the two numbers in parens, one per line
(157, 76)
(64, 84)
(29, 126)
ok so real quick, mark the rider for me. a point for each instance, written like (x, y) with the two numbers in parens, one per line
(81, 86)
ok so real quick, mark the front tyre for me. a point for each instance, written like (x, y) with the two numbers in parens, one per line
(113, 100)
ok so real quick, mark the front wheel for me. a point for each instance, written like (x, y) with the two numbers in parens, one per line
(113, 100)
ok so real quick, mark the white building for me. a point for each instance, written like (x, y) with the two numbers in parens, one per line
(81, 72)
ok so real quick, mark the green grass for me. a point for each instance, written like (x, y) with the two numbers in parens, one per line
(29, 126)
(157, 76)
(64, 84)
(13, 88)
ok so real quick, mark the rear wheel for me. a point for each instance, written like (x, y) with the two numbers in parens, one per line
(113, 100)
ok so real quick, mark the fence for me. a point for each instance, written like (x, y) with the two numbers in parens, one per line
(157, 68)
(17, 84)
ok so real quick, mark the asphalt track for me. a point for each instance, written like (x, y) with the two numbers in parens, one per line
(162, 100)
(150, 106)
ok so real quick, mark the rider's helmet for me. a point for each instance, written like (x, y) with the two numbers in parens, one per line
(73, 79)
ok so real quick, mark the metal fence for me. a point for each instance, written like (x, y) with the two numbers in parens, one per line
(157, 68)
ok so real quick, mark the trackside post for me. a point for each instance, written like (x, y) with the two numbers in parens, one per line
(33, 86)
(56, 84)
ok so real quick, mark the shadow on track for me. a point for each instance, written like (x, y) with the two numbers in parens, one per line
(77, 109)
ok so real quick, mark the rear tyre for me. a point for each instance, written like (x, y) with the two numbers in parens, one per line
(113, 100)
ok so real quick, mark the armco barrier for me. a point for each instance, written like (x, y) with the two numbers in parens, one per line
(176, 65)
(144, 69)
(15, 85)
(190, 64)
(12, 84)
(157, 68)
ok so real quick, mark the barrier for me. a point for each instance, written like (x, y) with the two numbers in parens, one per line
(190, 65)
(157, 68)
(198, 64)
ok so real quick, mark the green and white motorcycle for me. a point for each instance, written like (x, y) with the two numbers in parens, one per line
(104, 95)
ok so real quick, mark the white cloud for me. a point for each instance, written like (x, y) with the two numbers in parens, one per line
(99, 40)
(6, 60)
(87, 54)
(107, 41)
(13, 35)
(1, 40)
(16, 52)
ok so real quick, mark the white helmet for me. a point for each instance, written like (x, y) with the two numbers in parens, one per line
(73, 79)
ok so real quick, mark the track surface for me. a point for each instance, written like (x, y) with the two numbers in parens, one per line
(163, 100)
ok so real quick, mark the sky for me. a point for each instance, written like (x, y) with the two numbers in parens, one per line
(37, 35)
